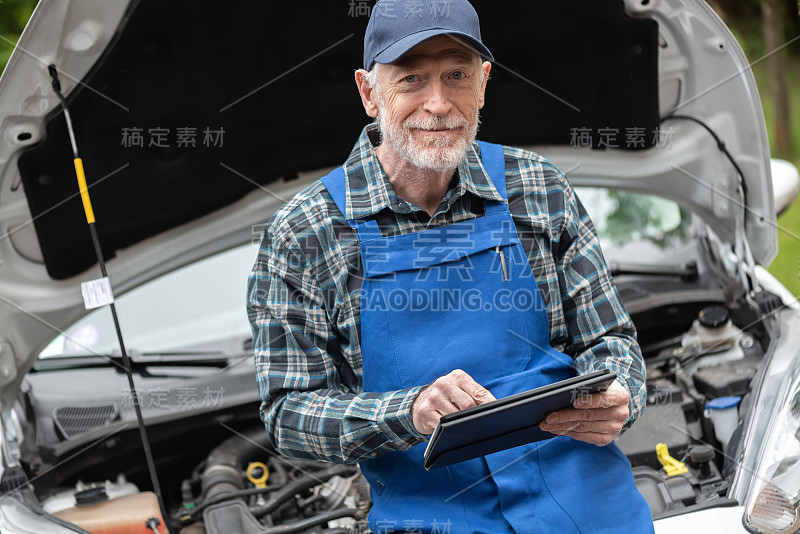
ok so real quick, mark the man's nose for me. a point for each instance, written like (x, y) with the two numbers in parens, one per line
(437, 101)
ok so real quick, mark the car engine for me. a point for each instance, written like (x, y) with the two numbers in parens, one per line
(682, 448)
(243, 486)
(220, 474)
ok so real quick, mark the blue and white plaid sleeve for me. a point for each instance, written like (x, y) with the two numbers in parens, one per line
(307, 408)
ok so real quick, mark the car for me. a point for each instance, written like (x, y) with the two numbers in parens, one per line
(195, 122)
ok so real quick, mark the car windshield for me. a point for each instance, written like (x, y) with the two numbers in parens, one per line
(201, 306)
(198, 307)
(636, 228)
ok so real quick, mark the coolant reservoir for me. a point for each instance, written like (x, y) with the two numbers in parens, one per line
(711, 333)
(713, 329)
(123, 515)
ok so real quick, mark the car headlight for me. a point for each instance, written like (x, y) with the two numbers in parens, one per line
(774, 508)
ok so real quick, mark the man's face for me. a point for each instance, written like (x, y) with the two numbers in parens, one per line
(428, 102)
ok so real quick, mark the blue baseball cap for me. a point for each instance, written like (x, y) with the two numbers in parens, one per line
(397, 26)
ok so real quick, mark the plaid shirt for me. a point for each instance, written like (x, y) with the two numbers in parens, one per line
(304, 292)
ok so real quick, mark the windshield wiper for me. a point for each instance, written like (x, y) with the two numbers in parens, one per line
(140, 361)
(686, 271)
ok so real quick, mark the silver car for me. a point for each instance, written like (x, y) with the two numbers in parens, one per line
(195, 121)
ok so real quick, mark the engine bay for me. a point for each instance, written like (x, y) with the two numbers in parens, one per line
(683, 448)
(221, 475)
(242, 486)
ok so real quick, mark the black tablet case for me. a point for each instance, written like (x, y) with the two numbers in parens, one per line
(507, 422)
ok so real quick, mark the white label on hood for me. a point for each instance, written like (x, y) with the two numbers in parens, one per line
(96, 293)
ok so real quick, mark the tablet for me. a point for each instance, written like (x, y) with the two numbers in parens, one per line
(507, 422)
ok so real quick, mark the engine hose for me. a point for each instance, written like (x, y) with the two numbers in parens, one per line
(319, 519)
(299, 485)
(361, 486)
(221, 497)
(279, 473)
(223, 472)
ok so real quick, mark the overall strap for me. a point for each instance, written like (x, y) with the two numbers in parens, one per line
(336, 185)
(495, 164)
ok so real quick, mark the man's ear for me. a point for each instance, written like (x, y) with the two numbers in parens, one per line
(487, 67)
(368, 97)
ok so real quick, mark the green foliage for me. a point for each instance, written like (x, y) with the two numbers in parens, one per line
(14, 14)
(786, 266)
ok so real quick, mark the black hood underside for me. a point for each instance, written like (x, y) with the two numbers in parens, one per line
(195, 105)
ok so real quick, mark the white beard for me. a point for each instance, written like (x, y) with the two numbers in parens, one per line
(441, 153)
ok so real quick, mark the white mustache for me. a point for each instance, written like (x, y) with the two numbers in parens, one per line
(434, 123)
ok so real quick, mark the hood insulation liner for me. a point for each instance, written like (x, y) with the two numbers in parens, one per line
(193, 105)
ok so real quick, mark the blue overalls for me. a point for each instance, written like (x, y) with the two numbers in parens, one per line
(464, 297)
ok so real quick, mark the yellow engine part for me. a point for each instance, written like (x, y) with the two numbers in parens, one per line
(671, 465)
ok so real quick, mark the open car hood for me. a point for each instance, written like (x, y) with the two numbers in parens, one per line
(195, 123)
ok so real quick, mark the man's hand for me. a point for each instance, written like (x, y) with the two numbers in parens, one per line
(449, 393)
(595, 418)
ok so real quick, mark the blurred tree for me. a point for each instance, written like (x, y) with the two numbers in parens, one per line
(717, 7)
(772, 21)
(764, 27)
(744, 12)
(14, 14)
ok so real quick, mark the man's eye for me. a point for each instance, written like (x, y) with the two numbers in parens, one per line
(458, 75)
(411, 78)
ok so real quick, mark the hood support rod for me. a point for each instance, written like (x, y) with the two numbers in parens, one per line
(87, 208)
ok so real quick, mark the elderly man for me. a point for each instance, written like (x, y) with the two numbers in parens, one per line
(375, 305)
